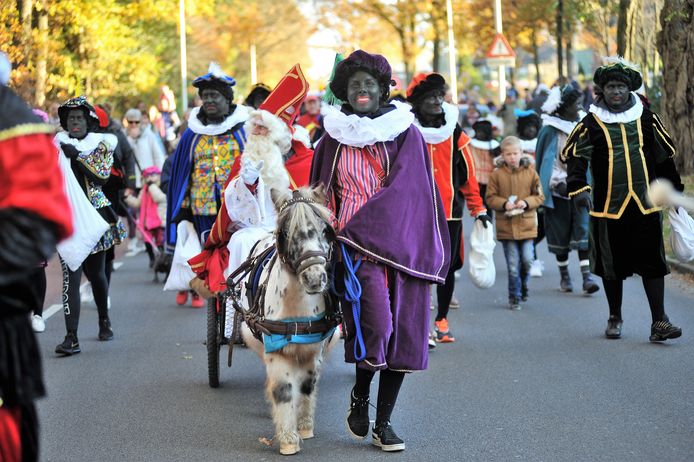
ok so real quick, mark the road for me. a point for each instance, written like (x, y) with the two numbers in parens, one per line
(540, 384)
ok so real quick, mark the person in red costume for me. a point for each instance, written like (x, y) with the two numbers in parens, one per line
(276, 155)
(454, 173)
(34, 216)
(312, 119)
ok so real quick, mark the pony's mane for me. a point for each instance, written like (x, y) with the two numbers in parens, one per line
(302, 213)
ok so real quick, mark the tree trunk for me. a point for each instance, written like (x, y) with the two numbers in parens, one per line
(622, 26)
(27, 7)
(560, 42)
(536, 57)
(41, 56)
(436, 61)
(676, 46)
(569, 50)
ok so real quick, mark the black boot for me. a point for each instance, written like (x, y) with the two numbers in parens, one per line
(358, 416)
(105, 332)
(663, 330)
(614, 327)
(565, 283)
(70, 345)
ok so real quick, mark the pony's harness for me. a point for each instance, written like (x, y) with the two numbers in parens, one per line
(252, 270)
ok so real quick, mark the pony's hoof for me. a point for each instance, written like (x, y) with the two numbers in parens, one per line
(306, 433)
(287, 449)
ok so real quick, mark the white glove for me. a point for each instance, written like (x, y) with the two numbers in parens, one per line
(250, 172)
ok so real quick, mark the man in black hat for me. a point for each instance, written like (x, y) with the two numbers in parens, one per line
(203, 159)
(626, 146)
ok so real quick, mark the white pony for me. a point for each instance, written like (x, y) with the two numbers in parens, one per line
(293, 297)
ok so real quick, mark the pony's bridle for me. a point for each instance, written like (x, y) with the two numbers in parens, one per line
(308, 258)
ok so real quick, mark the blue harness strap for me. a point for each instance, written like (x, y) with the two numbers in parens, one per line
(353, 295)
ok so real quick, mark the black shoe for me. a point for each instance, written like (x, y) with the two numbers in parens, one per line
(70, 346)
(105, 332)
(565, 284)
(358, 416)
(614, 327)
(663, 330)
(385, 438)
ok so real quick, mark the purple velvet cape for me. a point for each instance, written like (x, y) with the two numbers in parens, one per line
(403, 225)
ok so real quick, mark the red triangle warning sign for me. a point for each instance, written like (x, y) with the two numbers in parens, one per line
(500, 48)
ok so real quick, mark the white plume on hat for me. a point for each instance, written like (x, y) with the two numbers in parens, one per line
(5, 68)
(216, 70)
(553, 100)
(607, 60)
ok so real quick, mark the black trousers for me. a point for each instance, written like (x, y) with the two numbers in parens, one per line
(94, 268)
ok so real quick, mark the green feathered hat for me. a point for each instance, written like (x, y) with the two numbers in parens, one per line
(617, 68)
(329, 97)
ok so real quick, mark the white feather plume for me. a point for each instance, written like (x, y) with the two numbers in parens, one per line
(5, 68)
(553, 101)
(607, 60)
(216, 70)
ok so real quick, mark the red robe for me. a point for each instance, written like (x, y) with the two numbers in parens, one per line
(214, 258)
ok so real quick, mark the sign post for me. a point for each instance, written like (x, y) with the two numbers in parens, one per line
(500, 54)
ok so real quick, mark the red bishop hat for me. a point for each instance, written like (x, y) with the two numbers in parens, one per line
(285, 100)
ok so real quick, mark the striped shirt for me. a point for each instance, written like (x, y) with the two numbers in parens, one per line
(356, 179)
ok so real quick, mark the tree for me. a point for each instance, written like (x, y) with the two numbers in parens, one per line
(676, 46)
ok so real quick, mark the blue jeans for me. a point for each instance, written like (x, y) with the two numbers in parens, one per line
(519, 257)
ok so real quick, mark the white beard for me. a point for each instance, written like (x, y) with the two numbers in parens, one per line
(273, 173)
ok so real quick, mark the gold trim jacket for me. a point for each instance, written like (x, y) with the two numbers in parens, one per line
(623, 159)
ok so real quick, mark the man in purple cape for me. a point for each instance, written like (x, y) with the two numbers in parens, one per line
(392, 233)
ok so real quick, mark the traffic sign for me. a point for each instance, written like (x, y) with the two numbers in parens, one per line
(500, 48)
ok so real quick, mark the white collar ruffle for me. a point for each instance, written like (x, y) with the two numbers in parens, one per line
(356, 131)
(488, 145)
(89, 142)
(436, 135)
(627, 116)
(239, 115)
(565, 126)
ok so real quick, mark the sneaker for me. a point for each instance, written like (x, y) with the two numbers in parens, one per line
(105, 332)
(37, 323)
(614, 328)
(524, 294)
(385, 438)
(565, 284)
(443, 334)
(455, 304)
(589, 284)
(536, 269)
(197, 301)
(514, 303)
(358, 416)
(182, 297)
(70, 345)
(663, 330)
(431, 341)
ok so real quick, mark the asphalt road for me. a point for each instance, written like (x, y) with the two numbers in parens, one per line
(540, 384)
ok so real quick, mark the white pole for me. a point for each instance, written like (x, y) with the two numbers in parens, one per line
(502, 69)
(254, 70)
(452, 53)
(184, 65)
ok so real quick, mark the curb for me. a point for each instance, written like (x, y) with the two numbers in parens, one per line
(679, 266)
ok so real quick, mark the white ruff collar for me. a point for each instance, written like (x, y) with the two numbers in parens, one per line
(488, 145)
(529, 145)
(562, 125)
(239, 115)
(89, 142)
(436, 135)
(627, 116)
(356, 131)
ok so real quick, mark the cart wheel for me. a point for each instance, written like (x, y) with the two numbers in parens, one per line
(213, 346)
